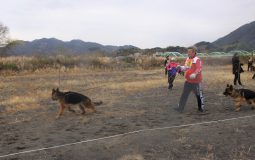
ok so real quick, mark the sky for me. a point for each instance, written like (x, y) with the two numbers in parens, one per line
(142, 23)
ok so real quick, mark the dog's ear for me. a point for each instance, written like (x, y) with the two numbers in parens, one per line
(227, 85)
(53, 90)
(231, 87)
(57, 89)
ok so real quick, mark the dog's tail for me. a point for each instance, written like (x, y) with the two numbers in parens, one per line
(98, 103)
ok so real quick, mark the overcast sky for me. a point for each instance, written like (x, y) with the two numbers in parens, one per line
(143, 23)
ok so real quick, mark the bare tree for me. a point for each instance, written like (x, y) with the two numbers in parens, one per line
(4, 30)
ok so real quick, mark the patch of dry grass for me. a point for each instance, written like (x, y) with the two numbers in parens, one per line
(218, 77)
(20, 103)
(29, 90)
(132, 157)
(137, 85)
(25, 102)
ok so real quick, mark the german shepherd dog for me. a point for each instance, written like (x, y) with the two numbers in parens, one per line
(240, 96)
(68, 99)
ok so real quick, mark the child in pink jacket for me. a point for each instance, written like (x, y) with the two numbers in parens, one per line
(172, 71)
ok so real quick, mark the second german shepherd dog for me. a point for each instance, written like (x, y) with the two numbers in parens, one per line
(240, 96)
(67, 99)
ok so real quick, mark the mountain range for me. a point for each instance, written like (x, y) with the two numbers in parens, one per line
(46, 46)
(243, 38)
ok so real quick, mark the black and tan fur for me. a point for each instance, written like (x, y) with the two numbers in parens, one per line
(240, 96)
(68, 99)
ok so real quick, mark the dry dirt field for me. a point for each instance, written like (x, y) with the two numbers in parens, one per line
(132, 100)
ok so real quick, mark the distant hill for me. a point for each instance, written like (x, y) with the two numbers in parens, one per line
(206, 47)
(47, 46)
(242, 38)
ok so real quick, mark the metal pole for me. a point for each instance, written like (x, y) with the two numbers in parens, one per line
(59, 68)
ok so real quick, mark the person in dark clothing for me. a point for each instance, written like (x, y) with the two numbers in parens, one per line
(237, 69)
(250, 62)
(165, 64)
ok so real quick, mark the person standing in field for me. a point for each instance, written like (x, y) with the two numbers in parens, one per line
(172, 71)
(236, 69)
(193, 76)
(165, 64)
(250, 62)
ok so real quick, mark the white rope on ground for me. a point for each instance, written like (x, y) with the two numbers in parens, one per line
(123, 134)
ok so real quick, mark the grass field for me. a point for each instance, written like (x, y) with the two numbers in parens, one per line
(132, 100)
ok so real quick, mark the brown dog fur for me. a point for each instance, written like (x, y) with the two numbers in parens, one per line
(68, 99)
(240, 96)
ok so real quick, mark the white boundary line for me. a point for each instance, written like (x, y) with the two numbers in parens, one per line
(123, 134)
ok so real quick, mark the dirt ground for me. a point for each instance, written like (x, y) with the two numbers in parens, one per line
(132, 100)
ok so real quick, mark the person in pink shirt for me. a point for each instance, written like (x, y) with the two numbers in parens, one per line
(171, 71)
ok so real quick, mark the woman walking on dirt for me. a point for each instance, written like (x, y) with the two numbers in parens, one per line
(193, 81)
(236, 69)
(250, 62)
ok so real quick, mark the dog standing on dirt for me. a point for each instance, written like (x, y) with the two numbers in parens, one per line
(68, 99)
(240, 96)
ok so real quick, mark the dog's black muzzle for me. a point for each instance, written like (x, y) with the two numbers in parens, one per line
(226, 93)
